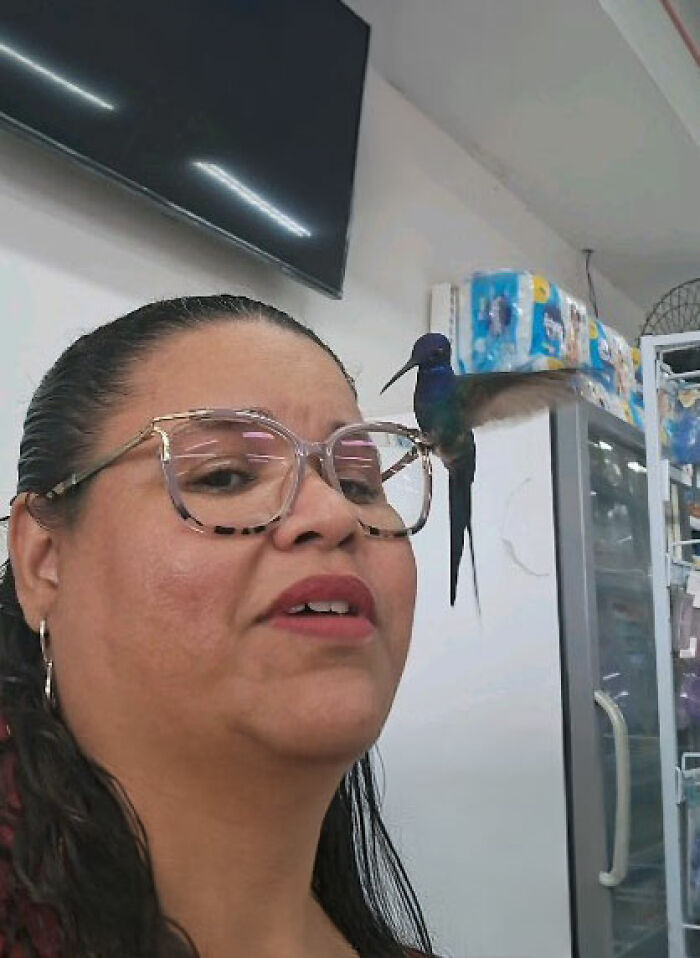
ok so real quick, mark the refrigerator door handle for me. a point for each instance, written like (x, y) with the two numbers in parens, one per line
(621, 846)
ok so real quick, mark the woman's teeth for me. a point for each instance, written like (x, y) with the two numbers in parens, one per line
(339, 607)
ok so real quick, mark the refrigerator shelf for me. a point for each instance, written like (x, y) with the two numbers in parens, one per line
(655, 854)
(629, 949)
(623, 581)
(680, 473)
(653, 896)
(636, 737)
(615, 571)
(677, 570)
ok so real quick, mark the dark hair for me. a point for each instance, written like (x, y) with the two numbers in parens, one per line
(78, 846)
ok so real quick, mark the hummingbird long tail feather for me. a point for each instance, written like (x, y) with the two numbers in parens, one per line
(461, 477)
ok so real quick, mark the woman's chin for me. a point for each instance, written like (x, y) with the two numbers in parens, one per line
(336, 732)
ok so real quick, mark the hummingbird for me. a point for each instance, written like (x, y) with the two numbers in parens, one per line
(448, 407)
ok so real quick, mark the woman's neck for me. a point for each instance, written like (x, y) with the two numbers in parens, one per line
(233, 856)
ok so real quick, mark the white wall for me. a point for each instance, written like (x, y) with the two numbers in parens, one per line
(76, 251)
(472, 751)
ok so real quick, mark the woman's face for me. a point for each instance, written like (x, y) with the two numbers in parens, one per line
(156, 630)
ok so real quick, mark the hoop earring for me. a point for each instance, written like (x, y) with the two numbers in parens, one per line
(49, 697)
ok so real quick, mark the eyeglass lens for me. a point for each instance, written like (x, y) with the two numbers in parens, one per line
(239, 474)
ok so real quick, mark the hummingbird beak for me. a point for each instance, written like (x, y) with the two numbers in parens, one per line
(404, 369)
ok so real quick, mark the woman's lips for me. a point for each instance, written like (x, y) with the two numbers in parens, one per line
(358, 623)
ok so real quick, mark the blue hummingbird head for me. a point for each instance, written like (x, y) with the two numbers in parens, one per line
(429, 350)
(432, 349)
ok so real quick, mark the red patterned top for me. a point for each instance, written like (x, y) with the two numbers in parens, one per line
(38, 923)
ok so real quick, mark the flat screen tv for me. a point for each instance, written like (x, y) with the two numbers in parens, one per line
(241, 115)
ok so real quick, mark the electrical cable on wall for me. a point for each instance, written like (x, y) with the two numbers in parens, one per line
(591, 288)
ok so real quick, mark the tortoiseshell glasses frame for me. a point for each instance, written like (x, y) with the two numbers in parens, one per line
(303, 452)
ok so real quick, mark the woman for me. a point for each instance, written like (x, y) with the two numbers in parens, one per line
(185, 766)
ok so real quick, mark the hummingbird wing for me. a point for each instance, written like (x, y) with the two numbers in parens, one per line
(484, 398)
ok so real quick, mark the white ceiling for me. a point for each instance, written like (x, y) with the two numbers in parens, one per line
(551, 97)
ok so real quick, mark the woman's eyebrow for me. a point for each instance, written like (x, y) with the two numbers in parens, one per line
(337, 424)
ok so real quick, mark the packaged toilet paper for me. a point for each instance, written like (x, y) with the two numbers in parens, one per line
(611, 369)
(601, 365)
(518, 320)
(549, 339)
(495, 321)
(637, 401)
(577, 342)
(686, 434)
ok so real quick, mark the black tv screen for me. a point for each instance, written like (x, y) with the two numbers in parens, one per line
(242, 115)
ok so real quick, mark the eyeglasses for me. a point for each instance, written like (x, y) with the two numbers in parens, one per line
(239, 471)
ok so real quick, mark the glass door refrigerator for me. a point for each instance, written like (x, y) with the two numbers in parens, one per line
(521, 756)
(616, 850)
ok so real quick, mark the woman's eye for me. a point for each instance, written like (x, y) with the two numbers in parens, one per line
(222, 479)
(359, 492)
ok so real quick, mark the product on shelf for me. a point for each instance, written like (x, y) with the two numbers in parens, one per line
(692, 795)
(516, 320)
(679, 420)
(685, 625)
(637, 399)
(510, 319)
(686, 436)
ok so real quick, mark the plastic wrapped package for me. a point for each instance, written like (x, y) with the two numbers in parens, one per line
(559, 328)
(692, 795)
(679, 421)
(517, 320)
(549, 335)
(685, 625)
(688, 704)
(624, 367)
(612, 375)
(686, 434)
(578, 346)
(637, 400)
(602, 364)
(668, 413)
(685, 638)
(495, 321)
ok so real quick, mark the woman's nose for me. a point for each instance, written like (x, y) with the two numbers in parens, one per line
(319, 512)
